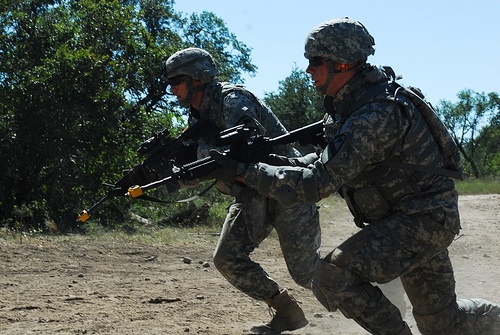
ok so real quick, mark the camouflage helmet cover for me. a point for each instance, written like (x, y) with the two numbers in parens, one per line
(341, 40)
(193, 62)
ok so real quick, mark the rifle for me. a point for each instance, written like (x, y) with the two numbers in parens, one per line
(244, 146)
(160, 152)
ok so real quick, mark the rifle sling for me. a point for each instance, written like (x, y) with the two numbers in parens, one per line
(202, 193)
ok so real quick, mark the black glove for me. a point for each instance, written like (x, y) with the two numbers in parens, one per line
(138, 175)
(303, 161)
(230, 168)
(142, 175)
(187, 153)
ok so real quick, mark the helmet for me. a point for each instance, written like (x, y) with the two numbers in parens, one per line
(341, 40)
(193, 62)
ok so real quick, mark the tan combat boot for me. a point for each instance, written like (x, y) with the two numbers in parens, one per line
(478, 317)
(288, 315)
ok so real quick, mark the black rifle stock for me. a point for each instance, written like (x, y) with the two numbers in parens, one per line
(244, 146)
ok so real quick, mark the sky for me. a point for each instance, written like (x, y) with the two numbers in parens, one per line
(440, 46)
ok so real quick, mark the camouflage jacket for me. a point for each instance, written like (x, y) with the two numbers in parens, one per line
(228, 105)
(370, 131)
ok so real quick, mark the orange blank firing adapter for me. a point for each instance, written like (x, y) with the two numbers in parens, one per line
(135, 191)
(83, 216)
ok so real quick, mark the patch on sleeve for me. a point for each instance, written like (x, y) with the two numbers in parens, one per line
(332, 148)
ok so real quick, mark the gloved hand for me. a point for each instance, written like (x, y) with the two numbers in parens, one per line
(187, 153)
(142, 175)
(303, 161)
(139, 175)
(230, 168)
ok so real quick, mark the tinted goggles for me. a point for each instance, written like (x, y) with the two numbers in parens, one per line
(316, 61)
(177, 80)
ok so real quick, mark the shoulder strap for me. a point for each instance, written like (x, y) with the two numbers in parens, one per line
(217, 95)
(451, 155)
(452, 162)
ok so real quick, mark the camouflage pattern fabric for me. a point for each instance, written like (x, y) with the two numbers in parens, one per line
(193, 62)
(398, 245)
(367, 137)
(340, 40)
(251, 217)
(411, 217)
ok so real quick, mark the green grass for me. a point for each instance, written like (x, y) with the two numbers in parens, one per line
(151, 235)
(478, 186)
(132, 231)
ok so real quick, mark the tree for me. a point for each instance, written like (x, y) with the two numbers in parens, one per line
(296, 103)
(209, 32)
(79, 90)
(489, 143)
(475, 114)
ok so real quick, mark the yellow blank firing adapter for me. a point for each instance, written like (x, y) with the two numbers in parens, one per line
(83, 216)
(135, 191)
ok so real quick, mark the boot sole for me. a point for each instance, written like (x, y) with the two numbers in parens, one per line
(268, 331)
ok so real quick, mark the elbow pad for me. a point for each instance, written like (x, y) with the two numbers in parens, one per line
(282, 192)
(309, 186)
(277, 183)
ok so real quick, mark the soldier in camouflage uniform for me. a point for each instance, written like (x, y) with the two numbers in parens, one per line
(251, 217)
(387, 165)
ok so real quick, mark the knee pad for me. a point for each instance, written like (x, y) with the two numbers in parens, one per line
(328, 281)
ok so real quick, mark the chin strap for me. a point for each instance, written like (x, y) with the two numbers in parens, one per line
(332, 73)
(191, 90)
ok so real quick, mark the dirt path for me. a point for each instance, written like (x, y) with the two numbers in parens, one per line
(73, 286)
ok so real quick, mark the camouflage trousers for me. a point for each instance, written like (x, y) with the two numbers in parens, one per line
(411, 247)
(250, 219)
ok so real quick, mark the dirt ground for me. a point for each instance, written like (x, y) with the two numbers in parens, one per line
(74, 286)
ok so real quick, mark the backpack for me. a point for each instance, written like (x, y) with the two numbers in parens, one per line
(452, 166)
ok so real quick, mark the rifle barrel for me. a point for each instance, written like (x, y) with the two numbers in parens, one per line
(299, 134)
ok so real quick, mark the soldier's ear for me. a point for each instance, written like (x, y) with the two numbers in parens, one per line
(197, 83)
(205, 75)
